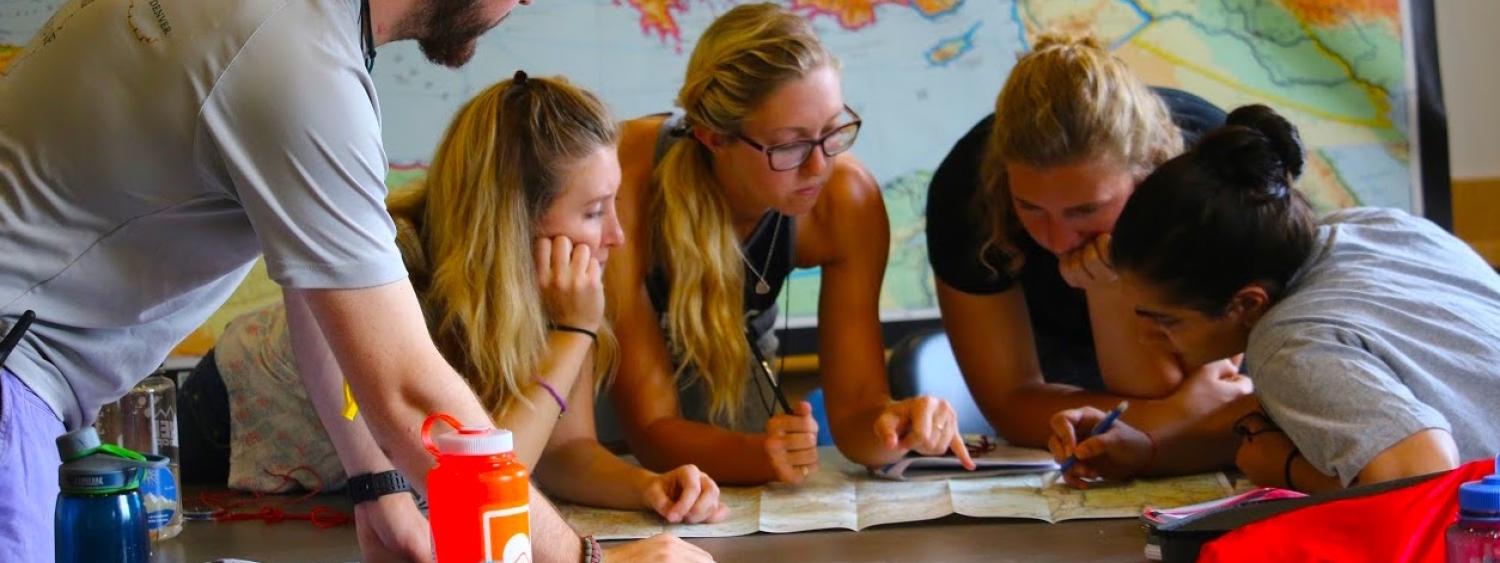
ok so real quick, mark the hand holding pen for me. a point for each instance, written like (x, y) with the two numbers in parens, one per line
(791, 444)
(791, 440)
(1111, 449)
(1099, 428)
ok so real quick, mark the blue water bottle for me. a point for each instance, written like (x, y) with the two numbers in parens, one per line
(100, 515)
(1475, 537)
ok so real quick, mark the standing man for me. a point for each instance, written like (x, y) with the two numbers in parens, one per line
(150, 150)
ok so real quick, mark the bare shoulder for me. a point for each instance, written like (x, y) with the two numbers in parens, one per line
(638, 150)
(850, 213)
(637, 153)
(638, 140)
(852, 183)
(851, 196)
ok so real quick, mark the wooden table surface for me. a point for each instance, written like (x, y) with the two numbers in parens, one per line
(956, 538)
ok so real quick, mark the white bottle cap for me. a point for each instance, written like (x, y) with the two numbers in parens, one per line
(475, 442)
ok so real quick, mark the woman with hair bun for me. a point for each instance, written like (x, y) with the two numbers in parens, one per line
(1371, 335)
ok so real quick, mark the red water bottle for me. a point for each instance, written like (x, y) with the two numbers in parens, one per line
(477, 496)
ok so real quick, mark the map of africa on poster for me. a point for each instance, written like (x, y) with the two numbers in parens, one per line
(922, 72)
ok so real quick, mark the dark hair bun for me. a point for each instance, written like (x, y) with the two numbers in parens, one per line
(1257, 150)
(1280, 133)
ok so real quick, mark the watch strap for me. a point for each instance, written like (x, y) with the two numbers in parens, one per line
(371, 486)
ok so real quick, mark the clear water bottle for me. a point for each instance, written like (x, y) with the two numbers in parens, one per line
(1475, 538)
(145, 420)
(100, 516)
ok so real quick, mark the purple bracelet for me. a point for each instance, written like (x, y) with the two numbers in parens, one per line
(560, 402)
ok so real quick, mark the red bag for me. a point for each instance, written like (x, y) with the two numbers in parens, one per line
(1405, 524)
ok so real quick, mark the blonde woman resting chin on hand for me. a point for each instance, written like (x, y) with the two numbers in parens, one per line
(506, 242)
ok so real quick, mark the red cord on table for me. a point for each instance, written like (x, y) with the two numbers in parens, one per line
(227, 505)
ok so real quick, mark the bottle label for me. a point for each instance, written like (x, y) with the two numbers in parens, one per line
(159, 493)
(507, 535)
(164, 417)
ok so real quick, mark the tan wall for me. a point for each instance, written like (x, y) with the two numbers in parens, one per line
(1476, 215)
(1467, 45)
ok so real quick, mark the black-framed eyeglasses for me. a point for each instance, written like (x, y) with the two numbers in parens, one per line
(789, 156)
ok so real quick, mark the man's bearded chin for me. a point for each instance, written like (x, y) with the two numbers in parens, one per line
(452, 30)
(452, 54)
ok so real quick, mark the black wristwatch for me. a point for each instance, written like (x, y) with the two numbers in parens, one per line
(371, 486)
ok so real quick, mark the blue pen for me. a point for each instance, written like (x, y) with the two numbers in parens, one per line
(1102, 427)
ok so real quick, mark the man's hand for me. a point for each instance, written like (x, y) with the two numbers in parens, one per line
(661, 548)
(392, 529)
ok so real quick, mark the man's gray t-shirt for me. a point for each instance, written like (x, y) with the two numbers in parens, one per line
(1392, 327)
(150, 151)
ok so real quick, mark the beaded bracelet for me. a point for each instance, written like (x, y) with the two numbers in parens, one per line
(592, 553)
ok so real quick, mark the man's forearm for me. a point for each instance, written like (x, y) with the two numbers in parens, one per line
(395, 413)
(357, 450)
(398, 377)
(356, 447)
(552, 540)
(395, 372)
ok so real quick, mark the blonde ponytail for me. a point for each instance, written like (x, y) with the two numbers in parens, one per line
(741, 58)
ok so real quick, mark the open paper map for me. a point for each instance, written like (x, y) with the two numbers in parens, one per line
(843, 495)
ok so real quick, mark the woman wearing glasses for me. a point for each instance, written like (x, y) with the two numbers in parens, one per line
(724, 199)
